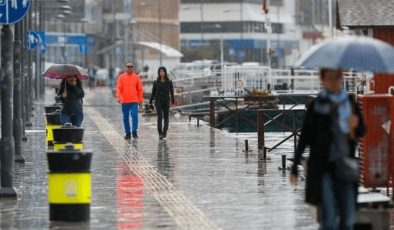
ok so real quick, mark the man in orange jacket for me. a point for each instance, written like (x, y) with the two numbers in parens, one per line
(129, 92)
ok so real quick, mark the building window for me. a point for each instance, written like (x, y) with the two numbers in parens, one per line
(229, 27)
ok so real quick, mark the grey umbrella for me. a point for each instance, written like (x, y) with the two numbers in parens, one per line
(361, 54)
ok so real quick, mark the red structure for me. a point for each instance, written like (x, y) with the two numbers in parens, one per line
(376, 148)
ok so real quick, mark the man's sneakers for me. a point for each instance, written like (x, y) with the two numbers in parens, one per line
(135, 136)
(161, 136)
(128, 136)
(164, 134)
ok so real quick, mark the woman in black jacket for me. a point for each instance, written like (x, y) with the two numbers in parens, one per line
(332, 125)
(71, 93)
(162, 90)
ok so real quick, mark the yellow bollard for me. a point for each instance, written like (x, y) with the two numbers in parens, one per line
(57, 146)
(52, 122)
(69, 184)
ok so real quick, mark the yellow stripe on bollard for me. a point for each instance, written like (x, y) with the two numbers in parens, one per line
(49, 133)
(69, 188)
(62, 146)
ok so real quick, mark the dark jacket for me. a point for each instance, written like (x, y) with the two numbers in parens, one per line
(316, 133)
(161, 92)
(73, 101)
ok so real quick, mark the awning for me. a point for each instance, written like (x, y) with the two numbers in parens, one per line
(164, 49)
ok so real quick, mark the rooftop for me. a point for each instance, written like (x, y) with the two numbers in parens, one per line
(366, 13)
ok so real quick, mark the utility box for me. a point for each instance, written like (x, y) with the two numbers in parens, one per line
(376, 147)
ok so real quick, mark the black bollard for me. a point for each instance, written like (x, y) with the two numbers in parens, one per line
(283, 162)
(246, 146)
(7, 155)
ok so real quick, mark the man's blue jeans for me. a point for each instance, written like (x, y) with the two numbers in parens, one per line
(75, 119)
(127, 109)
(337, 196)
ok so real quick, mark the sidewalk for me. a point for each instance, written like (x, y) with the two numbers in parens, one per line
(199, 178)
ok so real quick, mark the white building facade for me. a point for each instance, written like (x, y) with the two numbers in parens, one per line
(241, 26)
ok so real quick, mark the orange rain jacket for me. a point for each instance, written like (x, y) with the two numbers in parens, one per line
(129, 88)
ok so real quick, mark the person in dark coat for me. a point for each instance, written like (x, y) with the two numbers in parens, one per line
(71, 94)
(162, 94)
(332, 125)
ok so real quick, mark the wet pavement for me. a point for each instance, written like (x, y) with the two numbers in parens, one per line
(198, 178)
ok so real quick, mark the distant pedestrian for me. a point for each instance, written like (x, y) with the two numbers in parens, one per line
(111, 77)
(71, 94)
(129, 92)
(332, 125)
(162, 94)
(92, 71)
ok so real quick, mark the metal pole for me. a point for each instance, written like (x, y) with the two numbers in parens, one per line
(212, 112)
(17, 120)
(160, 39)
(221, 55)
(37, 82)
(113, 59)
(42, 57)
(30, 75)
(202, 28)
(7, 139)
(330, 18)
(23, 81)
(126, 46)
(260, 130)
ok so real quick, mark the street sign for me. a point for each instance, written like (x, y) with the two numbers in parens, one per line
(32, 40)
(12, 11)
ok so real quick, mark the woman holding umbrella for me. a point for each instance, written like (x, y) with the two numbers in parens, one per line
(333, 123)
(71, 93)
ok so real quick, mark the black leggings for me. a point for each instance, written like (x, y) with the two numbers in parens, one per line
(163, 109)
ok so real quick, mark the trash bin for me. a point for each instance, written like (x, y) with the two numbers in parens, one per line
(67, 134)
(53, 121)
(69, 184)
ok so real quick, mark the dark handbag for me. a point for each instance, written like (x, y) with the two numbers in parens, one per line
(347, 169)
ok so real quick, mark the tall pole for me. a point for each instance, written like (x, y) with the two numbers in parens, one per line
(242, 25)
(23, 29)
(113, 60)
(202, 28)
(126, 38)
(330, 18)
(7, 139)
(160, 53)
(17, 119)
(29, 77)
(221, 54)
(37, 82)
(41, 80)
(269, 30)
(277, 37)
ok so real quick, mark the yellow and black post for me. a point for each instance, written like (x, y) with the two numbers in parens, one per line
(69, 185)
(67, 134)
(52, 108)
(53, 121)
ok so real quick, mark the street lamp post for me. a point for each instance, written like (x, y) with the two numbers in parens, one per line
(160, 39)
(202, 28)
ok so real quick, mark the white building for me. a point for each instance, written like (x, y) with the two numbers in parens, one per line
(241, 25)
